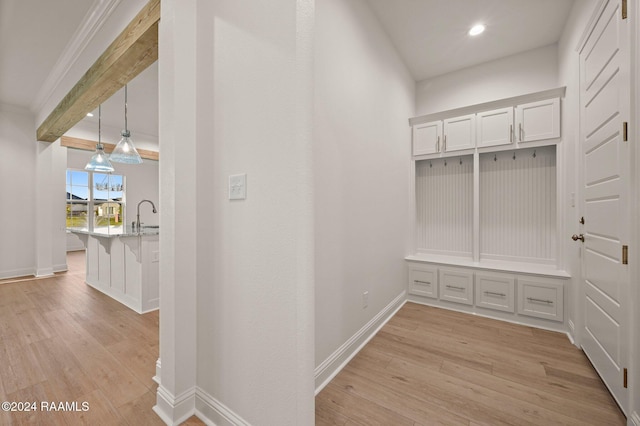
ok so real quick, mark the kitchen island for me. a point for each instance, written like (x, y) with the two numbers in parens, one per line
(124, 265)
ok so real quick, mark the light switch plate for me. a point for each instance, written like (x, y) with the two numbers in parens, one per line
(238, 187)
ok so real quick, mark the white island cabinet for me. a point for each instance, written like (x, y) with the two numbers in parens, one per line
(124, 266)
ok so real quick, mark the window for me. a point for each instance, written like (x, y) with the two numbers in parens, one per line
(101, 194)
(77, 199)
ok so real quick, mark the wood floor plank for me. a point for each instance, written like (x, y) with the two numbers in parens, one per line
(100, 411)
(394, 396)
(442, 347)
(587, 413)
(360, 410)
(36, 394)
(429, 386)
(327, 416)
(486, 371)
(139, 411)
(62, 369)
(63, 341)
(136, 359)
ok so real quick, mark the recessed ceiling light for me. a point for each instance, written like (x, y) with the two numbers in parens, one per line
(89, 114)
(476, 29)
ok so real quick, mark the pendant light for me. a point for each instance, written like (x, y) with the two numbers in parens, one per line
(99, 162)
(125, 152)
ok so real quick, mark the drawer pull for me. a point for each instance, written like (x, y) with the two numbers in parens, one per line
(453, 287)
(533, 299)
(491, 293)
(422, 282)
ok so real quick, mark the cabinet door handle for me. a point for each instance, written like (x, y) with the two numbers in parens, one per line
(422, 282)
(520, 132)
(491, 293)
(453, 287)
(533, 299)
(510, 133)
(444, 146)
(438, 144)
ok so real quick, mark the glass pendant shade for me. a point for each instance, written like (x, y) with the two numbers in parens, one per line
(99, 162)
(125, 152)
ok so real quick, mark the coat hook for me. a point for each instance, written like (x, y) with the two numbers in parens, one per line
(461, 161)
(495, 157)
(514, 155)
(430, 164)
(445, 163)
(534, 153)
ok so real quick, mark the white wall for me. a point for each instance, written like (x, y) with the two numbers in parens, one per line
(52, 160)
(17, 190)
(519, 74)
(235, 84)
(364, 95)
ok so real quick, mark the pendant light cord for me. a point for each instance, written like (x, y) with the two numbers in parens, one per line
(99, 125)
(126, 128)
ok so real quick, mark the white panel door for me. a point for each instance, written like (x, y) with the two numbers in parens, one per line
(604, 199)
(459, 133)
(426, 138)
(494, 127)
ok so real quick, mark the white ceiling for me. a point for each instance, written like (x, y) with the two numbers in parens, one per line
(430, 36)
(33, 34)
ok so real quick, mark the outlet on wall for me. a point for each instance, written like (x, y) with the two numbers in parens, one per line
(365, 299)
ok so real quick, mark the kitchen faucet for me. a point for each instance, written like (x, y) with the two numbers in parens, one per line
(137, 224)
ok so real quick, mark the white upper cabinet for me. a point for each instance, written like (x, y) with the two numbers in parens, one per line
(503, 123)
(459, 133)
(538, 120)
(494, 127)
(427, 138)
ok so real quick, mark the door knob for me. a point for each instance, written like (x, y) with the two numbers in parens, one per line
(578, 237)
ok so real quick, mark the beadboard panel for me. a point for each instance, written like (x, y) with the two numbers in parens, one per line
(444, 205)
(518, 205)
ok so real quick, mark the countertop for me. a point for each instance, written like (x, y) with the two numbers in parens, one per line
(118, 232)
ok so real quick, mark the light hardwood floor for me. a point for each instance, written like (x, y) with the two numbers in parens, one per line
(63, 341)
(433, 366)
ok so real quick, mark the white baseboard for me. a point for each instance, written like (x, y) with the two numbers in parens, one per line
(62, 267)
(44, 272)
(17, 273)
(572, 332)
(174, 410)
(331, 366)
(214, 413)
(156, 378)
(634, 419)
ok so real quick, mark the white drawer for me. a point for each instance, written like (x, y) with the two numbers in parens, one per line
(495, 292)
(456, 286)
(541, 298)
(423, 281)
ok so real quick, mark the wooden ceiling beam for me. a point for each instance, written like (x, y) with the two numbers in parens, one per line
(130, 53)
(88, 145)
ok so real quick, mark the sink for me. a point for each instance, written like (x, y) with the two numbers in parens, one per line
(150, 226)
